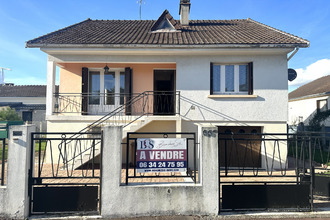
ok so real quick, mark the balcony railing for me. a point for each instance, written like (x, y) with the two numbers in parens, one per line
(151, 103)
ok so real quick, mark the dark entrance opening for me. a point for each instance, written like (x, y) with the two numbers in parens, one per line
(164, 92)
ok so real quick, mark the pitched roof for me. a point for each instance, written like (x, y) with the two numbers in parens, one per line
(316, 87)
(199, 33)
(22, 91)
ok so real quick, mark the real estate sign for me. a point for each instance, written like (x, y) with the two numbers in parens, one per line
(161, 155)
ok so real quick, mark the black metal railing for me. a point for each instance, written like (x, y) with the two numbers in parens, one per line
(3, 160)
(265, 163)
(131, 173)
(153, 103)
(65, 173)
(60, 156)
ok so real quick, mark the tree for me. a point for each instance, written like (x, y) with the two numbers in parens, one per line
(315, 124)
(8, 114)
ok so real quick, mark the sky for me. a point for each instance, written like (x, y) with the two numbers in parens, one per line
(23, 20)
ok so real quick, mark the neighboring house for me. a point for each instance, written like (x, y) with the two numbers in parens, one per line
(229, 73)
(29, 101)
(309, 99)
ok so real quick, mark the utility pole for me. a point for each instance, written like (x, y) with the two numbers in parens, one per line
(2, 79)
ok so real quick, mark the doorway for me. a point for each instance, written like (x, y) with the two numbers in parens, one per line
(164, 92)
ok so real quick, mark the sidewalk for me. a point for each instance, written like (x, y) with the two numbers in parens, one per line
(247, 215)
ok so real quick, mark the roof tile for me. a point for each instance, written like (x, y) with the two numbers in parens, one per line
(318, 86)
(138, 32)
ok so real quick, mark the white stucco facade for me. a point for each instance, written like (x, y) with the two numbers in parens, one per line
(267, 104)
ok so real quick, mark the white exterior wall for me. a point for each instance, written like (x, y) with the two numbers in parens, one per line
(305, 108)
(193, 79)
(270, 86)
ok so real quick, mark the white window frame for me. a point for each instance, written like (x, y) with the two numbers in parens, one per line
(236, 79)
(93, 107)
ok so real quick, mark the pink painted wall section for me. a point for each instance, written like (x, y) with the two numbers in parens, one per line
(143, 75)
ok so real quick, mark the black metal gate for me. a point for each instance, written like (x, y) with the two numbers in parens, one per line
(265, 171)
(65, 173)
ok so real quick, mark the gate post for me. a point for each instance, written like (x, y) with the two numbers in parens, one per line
(210, 164)
(111, 167)
(19, 150)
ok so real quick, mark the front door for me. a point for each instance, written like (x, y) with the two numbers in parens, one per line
(105, 90)
(164, 92)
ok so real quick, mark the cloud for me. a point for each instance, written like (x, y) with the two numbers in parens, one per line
(313, 71)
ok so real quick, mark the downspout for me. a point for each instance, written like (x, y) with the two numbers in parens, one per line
(293, 53)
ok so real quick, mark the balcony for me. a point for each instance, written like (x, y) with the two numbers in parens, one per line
(146, 103)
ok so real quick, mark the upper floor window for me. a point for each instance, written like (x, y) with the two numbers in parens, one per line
(322, 105)
(231, 79)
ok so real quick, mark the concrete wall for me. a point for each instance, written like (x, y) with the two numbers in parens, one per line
(305, 108)
(14, 202)
(160, 199)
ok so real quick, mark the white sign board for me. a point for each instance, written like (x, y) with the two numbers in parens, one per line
(161, 155)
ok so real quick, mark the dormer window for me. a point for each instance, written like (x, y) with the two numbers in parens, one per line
(165, 23)
(165, 26)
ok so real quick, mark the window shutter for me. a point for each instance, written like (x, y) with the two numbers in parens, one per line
(211, 79)
(84, 91)
(250, 78)
(128, 90)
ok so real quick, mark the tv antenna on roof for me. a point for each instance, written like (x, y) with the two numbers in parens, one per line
(2, 76)
(140, 4)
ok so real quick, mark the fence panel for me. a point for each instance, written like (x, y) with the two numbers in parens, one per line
(265, 171)
(3, 161)
(65, 174)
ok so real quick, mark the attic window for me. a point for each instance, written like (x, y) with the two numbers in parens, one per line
(165, 23)
(164, 26)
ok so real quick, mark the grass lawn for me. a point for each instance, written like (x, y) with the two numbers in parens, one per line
(320, 156)
(43, 146)
(1, 150)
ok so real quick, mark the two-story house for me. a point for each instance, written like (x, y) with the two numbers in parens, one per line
(168, 74)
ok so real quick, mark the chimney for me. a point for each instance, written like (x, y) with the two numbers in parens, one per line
(184, 12)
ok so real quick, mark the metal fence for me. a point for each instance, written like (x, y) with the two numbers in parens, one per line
(274, 171)
(65, 172)
(163, 171)
(3, 160)
(265, 171)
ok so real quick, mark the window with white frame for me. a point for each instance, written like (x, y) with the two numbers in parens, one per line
(231, 79)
